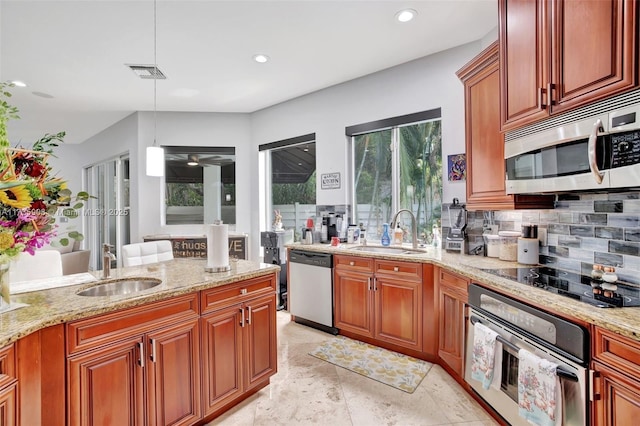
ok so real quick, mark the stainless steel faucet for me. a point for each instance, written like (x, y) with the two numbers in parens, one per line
(414, 229)
(107, 257)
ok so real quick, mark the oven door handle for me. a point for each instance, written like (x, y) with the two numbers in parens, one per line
(559, 370)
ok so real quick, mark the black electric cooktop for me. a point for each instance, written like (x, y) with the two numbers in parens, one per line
(574, 285)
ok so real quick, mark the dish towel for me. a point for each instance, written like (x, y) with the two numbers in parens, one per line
(538, 390)
(483, 358)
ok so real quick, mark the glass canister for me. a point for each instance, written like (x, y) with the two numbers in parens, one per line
(492, 242)
(508, 245)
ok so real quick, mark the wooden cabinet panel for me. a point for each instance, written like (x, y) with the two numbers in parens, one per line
(430, 311)
(594, 50)
(616, 351)
(524, 60)
(260, 340)
(106, 386)
(452, 301)
(353, 264)
(618, 401)
(8, 403)
(561, 54)
(173, 374)
(7, 365)
(353, 302)
(103, 329)
(216, 298)
(222, 357)
(484, 142)
(405, 271)
(399, 312)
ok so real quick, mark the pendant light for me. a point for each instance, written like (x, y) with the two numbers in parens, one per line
(155, 154)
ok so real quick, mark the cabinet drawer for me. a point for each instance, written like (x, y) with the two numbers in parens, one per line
(221, 297)
(403, 270)
(617, 351)
(452, 280)
(7, 365)
(103, 329)
(353, 263)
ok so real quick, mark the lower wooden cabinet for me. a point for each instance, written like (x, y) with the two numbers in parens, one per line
(616, 379)
(8, 405)
(239, 350)
(379, 299)
(452, 300)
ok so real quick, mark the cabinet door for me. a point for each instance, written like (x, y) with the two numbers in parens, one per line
(451, 328)
(594, 50)
(222, 357)
(260, 344)
(619, 398)
(105, 386)
(524, 61)
(173, 374)
(399, 312)
(353, 301)
(8, 405)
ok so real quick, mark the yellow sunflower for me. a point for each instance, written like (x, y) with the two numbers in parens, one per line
(6, 241)
(17, 197)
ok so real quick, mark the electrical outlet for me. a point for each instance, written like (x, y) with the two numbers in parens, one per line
(542, 236)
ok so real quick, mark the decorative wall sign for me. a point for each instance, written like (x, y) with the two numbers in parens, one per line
(197, 247)
(457, 167)
(330, 181)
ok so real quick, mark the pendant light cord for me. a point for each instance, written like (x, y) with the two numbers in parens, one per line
(155, 71)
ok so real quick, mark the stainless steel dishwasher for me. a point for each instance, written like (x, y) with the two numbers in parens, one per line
(310, 294)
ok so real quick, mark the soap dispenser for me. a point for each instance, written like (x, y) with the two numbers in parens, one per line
(386, 238)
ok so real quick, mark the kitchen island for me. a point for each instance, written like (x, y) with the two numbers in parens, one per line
(181, 352)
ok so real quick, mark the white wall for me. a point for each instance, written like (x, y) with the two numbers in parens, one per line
(423, 84)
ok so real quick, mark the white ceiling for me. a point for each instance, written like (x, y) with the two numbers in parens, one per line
(75, 51)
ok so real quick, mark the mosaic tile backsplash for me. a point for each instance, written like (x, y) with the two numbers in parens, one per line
(582, 230)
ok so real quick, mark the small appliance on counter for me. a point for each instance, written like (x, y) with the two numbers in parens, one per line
(528, 245)
(455, 240)
(275, 253)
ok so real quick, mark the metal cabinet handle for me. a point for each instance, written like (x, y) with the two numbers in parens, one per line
(541, 99)
(549, 97)
(243, 291)
(153, 350)
(396, 269)
(141, 354)
(249, 315)
(369, 283)
(592, 151)
(242, 319)
(375, 284)
(352, 263)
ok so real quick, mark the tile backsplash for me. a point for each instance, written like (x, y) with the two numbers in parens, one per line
(583, 229)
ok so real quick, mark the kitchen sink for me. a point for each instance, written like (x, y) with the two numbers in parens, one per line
(388, 250)
(119, 287)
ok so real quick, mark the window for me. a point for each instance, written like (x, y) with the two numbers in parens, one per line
(291, 178)
(200, 185)
(398, 167)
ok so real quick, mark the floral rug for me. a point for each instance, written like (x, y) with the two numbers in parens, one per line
(397, 370)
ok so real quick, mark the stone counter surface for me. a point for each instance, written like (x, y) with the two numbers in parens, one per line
(62, 304)
(624, 321)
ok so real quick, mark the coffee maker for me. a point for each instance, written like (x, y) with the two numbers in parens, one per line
(456, 238)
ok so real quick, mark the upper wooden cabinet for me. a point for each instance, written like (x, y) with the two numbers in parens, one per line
(486, 189)
(556, 55)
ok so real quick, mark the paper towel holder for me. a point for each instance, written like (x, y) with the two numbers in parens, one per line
(223, 268)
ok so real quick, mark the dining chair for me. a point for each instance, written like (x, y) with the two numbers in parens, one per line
(148, 252)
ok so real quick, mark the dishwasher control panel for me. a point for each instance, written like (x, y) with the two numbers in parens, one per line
(323, 260)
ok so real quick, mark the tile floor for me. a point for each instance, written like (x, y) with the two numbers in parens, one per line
(309, 391)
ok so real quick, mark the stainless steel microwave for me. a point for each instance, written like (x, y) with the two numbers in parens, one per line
(600, 152)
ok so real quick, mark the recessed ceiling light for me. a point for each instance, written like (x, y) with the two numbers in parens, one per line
(406, 15)
(260, 58)
(19, 83)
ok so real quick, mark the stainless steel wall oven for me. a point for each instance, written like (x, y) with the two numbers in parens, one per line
(520, 326)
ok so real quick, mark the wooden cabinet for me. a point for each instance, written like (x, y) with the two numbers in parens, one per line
(557, 55)
(379, 299)
(238, 340)
(616, 383)
(8, 387)
(484, 142)
(137, 366)
(452, 300)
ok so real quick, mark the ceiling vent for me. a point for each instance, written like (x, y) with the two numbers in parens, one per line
(147, 72)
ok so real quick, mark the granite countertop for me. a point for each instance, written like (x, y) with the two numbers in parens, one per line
(62, 304)
(624, 321)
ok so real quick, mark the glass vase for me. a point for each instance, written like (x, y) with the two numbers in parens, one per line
(5, 300)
